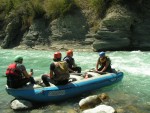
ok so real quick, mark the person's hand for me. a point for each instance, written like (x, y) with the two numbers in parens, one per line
(31, 73)
(75, 65)
(72, 71)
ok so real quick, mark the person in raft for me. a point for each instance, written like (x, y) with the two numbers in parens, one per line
(59, 73)
(104, 62)
(71, 62)
(16, 74)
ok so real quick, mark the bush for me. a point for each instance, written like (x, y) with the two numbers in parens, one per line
(55, 8)
(37, 7)
(100, 6)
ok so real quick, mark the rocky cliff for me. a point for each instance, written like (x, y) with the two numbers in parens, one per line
(121, 28)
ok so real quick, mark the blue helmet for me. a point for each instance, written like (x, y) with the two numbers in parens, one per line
(101, 54)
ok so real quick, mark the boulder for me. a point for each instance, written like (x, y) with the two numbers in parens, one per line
(20, 104)
(111, 44)
(38, 34)
(70, 27)
(11, 33)
(92, 101)
(89, 102)
(100, 109)
(114, 30)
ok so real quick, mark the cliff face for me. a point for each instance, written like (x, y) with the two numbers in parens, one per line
(141, 29)
(114, 30)
(119, 29)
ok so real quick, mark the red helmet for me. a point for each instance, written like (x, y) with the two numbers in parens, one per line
(69, 52)
(57, 55)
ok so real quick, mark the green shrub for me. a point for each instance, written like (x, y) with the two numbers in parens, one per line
(99, 6)
(2, 5)
(10, 5)
(55, 8)
(37, 6)
(68, 7)
(26, 13)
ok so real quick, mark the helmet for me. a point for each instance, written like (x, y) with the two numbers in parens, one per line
(101, 54)
(18, 59)
(69, 52)
(57, 55)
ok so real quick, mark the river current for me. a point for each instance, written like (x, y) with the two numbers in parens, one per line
(132, 93)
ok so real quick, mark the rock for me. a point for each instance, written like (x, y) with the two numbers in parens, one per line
(140, 35)
(2, 35)
(89, 41)
(20, 104)
(114, 31)
(119, 110)
(70, 27)
(92, 101)
(11, 32)
(133, 109)
(90, 35)
(89, 102)
(38, 34)
(103, 97)
(111, 44)
(100, 109)
(70, 111)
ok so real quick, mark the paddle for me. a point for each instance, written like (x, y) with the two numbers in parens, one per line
(93, 70)
(101, 72)
(79, 74)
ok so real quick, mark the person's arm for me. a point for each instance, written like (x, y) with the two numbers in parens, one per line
(74, 64)
(51, 74)
(26, 74)
(70, 70)
(22, 68)
(68, 62)
(52, 67)
(97, 64)
(106, 66)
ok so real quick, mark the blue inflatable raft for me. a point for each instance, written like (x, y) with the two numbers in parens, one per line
(62, 92)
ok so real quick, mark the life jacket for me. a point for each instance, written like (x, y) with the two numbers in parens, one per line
(104, 63)
(69, 60)
(61, 71)
(12, 70)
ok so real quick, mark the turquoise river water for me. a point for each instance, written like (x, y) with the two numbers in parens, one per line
(131, 94)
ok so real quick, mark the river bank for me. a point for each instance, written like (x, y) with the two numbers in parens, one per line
(58, 46)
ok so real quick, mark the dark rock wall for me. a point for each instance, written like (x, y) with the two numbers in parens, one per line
(120, 29)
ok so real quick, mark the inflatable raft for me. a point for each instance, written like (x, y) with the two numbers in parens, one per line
(77, 85)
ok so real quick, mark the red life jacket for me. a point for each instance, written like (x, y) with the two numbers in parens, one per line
(12, 70)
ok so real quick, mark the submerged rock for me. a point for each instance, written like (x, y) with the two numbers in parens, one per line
(20, 104)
